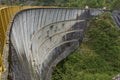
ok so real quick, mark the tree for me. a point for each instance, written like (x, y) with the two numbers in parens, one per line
(116, 4)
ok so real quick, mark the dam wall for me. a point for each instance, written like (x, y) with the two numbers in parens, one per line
(37, 39)
(116, 17)
(40, 38)
(6, 15)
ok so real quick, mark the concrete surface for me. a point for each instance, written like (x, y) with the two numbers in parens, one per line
(40, 38)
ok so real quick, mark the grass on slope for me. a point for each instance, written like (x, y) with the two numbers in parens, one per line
(98, 57)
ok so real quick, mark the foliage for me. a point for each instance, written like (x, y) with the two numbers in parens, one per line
(110, 4)
(98, 58)
(81, 3)
(116, 5)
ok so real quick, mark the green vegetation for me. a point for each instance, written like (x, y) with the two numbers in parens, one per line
(98, 57)
(81, 3)
(116, 5)
(110, 4)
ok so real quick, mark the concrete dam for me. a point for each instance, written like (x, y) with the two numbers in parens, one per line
(116, 17)
(39, 38)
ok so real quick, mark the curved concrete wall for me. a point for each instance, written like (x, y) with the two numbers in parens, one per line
(6, 14)
(40, 38)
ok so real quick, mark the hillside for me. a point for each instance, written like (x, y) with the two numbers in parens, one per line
(110, 4)
(98, 57)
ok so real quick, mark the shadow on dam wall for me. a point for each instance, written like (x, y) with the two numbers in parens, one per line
(40, 38)
(116, 17)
